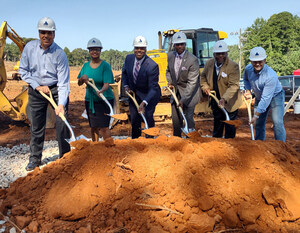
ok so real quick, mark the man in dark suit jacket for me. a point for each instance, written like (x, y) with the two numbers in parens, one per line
(140, 76)
(183, 75)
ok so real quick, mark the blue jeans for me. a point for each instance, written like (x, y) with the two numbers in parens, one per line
(277, 111)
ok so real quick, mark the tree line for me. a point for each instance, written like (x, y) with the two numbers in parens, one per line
(279, 36)
(77, 57)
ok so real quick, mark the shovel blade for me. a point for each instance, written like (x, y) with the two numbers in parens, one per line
(236, 123)
(194, 134)
(121, 116)
(185, 131)
(73, 139)
(151, 131)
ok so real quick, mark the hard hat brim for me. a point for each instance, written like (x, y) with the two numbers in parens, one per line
(221, 51)
(257, 59)
(46, 29)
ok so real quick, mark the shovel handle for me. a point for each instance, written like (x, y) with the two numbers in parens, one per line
(248, 105)
(137, 106)
(52, 102)
(92, 84)
(213, 94)
(180, 109)
(173, 94)
(133, 99)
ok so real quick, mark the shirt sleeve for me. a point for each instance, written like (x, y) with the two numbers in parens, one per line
(267, 94)
(24, 68)
(108, 76)
(246, 80)
(81, 72)
(63, 75)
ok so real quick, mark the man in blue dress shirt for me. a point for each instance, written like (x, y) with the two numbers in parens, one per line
(44, 66)
(269, 94)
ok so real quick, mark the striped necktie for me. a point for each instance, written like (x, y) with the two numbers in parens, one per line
(136, 71)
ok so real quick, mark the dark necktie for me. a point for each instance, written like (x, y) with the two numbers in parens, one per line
(136, 71)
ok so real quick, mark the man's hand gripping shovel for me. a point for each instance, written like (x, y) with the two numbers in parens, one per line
(73, 138)
(149, 131)
(236, 123)
(121, 116)
(248, 105)
(185, 129)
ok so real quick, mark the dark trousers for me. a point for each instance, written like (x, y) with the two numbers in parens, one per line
(38, 112)
(136, 118)
(219, 125)
(177, 119)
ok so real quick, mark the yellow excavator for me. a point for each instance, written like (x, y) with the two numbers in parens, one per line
(15, 108)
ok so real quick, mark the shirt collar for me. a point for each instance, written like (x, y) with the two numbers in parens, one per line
(181, 55)
(219, 65)
(140, 61)
(49, 48)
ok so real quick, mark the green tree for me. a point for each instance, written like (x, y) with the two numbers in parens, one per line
(234, 53)
(280, 37)
(78, 57)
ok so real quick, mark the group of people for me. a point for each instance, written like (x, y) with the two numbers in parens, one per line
(44, 66)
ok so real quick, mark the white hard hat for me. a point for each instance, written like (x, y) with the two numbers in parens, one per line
(257, 54)
(140, 41)
(94, 43)
(46, 24)
(179, 37)
(220, 47)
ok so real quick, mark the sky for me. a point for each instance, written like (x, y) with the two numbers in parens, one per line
(117, 22)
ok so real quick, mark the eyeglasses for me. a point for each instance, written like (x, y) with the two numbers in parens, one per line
(46, 32)
(94, 50)
(180, 44)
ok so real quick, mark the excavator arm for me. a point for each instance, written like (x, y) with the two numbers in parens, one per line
(18, 110)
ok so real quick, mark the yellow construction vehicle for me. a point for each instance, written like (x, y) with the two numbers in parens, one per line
(16, 108)
(200, 42)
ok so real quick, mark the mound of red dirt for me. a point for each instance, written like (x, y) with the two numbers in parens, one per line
(162, 185)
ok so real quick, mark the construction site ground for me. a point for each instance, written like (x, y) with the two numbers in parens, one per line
(168, 184)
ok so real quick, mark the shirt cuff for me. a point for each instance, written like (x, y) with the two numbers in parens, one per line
(145, 102)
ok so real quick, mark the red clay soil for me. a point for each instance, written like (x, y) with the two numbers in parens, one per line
(158, 185)
(162, 185)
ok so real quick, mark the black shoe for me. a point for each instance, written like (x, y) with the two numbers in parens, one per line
(32, 165)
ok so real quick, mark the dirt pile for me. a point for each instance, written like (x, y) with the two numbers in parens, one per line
(162, 185)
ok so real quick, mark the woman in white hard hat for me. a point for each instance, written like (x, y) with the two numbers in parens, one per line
(99, 71)
(263, 81)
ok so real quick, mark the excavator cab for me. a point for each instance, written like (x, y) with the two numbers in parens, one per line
(200, 42)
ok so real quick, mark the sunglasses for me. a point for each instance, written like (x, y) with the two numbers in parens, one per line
(95, 49)
(46, 32)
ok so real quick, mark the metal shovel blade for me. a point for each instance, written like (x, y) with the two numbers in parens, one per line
(77, 138)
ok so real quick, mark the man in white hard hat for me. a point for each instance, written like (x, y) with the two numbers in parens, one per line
(183, 75)
(222, 75)
(269, 95)
(140, 76)
(44, 66)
